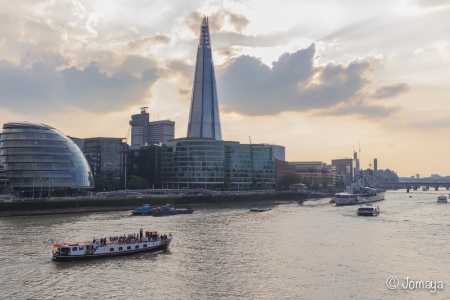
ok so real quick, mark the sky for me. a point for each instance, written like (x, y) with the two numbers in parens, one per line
(322, 78)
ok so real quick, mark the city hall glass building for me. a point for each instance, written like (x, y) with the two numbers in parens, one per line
(36, 155)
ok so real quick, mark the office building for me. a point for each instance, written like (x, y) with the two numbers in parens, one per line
(106, 156)
(204, 119)
(239, 165)
(161, 131)
(36, 155)
(309, 165)
(193, 163)
(264, 164)
(140, 131)
(78, 142)
(375, 164)
(144, 132)
(344, 168)
(145, 162)
(282, 168)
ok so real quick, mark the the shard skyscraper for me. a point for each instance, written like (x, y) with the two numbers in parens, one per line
(204, 119)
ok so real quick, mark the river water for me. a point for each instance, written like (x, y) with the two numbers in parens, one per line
(309, 251)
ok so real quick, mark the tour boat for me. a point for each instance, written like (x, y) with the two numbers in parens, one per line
(150, 241)
(368, 210)
(442, 199)
(145, 209)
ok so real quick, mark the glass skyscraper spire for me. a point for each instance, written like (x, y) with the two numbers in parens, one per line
(204, 119)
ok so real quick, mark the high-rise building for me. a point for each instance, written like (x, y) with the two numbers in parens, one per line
(161, 131)
(144, 132)
(345, 168)
(140, 133)
(204, 119)
(375, 164)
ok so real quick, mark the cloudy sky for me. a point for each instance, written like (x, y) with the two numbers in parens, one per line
(314, 76)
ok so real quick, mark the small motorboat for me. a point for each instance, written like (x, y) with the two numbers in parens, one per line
(442, 199)
(333, 200)
(368, 210)
(145, 209)
(256, 209)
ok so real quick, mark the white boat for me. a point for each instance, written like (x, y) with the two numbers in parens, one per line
(442, 199)
(424, 189)
(116, 246)
(368, 209)
(356, 193)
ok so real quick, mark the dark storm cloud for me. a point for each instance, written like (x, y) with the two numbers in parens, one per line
(294, 83)
(390, 90)
(42, 88)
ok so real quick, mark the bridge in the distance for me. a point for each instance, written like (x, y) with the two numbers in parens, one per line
(416, 184)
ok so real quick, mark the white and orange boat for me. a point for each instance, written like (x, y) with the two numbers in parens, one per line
(149, 241)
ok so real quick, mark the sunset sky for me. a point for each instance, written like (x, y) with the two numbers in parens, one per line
(313, 76)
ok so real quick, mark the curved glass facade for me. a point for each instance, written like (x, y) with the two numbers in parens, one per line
(36, 154)
(192, 162)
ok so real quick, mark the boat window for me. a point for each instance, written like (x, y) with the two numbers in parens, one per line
(74, 249)
(80, 248)
(145, 245)
(120, 248)
(129, 247)
(111, 249)
(137, 247)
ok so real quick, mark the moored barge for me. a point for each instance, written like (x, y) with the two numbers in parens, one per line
(150, 241)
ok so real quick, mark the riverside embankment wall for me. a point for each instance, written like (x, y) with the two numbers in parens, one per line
(116, 202)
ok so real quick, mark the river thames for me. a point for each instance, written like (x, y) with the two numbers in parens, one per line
(309, 251)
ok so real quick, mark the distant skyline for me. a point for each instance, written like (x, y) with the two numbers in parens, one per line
(315, 77)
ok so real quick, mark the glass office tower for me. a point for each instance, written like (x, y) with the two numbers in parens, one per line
(193, 163)
(36, 155)
(239, 165)
(204, 119)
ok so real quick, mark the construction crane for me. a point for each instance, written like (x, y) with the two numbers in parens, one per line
(128, 134)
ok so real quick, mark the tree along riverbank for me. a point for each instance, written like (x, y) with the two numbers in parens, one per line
(84, 205)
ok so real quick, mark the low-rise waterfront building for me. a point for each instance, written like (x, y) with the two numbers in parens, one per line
(106, 156)
(238, 165)
(192, 163)
(145, 162)
(282, 168)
